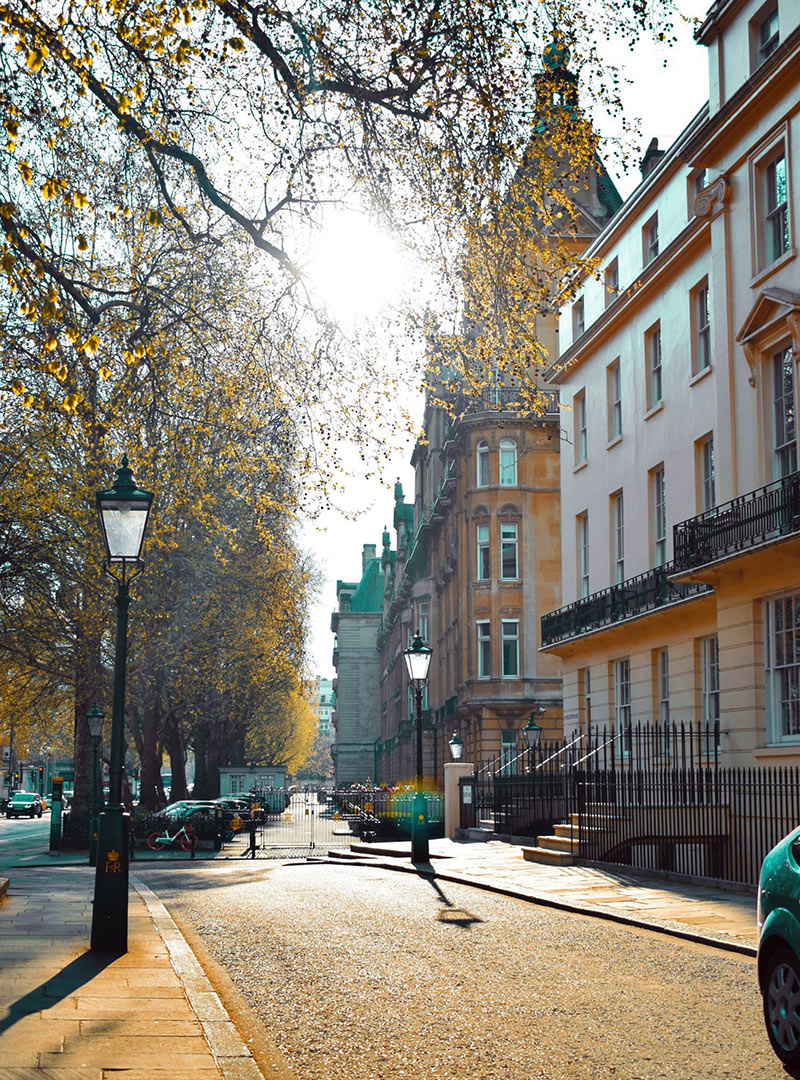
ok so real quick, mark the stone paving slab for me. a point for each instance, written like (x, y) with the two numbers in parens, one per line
(88, 1073)
(69, 1014)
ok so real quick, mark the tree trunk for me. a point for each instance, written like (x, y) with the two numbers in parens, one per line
(88, 683)
(145, 729)
(201, 782)
(173, 742)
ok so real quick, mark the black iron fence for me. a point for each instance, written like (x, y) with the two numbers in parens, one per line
(644, 796)
(636, 596)
(708, 822)
(512, 398)
(746, 521)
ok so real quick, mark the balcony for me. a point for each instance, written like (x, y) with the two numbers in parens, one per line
(501, 399)
(628, 600)
(760, 517)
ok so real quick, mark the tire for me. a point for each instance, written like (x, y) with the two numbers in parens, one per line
(781, 992)
(152, 841)
(190, 842)
(33, 814)
(40, 812)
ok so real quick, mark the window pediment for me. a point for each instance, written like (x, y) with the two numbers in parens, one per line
(509, 510)
(480, 511)
(775, 312)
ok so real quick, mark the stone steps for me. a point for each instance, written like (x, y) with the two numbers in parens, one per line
(549, 856)
(561, 849)
(481, 833)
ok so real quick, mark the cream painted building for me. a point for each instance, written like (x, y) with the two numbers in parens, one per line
(679, 362)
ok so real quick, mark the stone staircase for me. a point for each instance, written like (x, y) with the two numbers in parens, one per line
(483, 831)
(560, 849)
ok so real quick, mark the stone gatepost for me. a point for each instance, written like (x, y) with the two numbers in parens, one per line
(453, 771)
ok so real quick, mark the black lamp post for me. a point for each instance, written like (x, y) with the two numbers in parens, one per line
(418, 661)
(123, 512)
(532, 732)
(94, 718)
(456, 747)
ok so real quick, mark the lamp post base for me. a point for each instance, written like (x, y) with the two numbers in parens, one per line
(93, 827)
(110, 912)
(419, 830)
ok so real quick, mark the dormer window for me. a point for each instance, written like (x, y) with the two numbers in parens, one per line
(578, 319)
(650, 240)
(764, 34)
(768, 35)
(611, 282)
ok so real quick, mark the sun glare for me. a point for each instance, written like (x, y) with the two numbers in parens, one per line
(355, 269)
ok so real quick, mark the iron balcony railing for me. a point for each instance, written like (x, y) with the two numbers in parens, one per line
(637, 595)
(768, 513)
(510, 398)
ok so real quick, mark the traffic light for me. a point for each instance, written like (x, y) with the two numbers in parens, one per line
(41, 779)
(16, 779)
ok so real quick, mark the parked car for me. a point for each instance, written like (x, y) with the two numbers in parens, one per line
(174, 807)
(24, 804)
(187, 809)
(779, 947)
(235, 805)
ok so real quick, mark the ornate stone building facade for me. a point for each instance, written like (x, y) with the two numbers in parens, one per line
(476, 563)
(680, 525)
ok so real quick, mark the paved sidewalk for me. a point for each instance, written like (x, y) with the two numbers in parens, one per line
(69, 1014)
(708, 915)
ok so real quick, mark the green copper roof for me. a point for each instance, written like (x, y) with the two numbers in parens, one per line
(369, 594)
(606, 190)
(404, 512)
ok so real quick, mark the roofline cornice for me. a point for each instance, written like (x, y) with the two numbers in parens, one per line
(717, 18)
(672, 161)
(749, 96)
(638, 292)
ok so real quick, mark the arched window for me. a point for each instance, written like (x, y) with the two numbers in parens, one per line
(482, 464)
(508, 462)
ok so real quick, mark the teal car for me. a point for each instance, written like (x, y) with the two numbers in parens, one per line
(779, 946)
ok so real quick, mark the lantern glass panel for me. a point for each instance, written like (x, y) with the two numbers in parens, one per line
(123, 525)
(417, 663)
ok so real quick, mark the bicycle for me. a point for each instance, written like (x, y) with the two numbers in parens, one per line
(187, 839)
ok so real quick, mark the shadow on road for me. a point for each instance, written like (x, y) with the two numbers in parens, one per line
(452, 915)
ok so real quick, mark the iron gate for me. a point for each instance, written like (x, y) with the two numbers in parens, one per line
(290, 827)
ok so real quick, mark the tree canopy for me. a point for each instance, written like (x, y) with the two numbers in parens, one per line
(220, 115)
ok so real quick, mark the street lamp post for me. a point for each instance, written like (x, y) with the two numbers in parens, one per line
(123, 511)
(456, 746)
(418, 661)
(532, 732)
(94, 718)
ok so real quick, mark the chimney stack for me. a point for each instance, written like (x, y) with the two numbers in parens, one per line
(651, 158)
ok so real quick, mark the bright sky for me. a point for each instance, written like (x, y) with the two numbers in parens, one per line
(357, 269)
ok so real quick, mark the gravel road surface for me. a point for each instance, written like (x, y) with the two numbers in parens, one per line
(360, 973)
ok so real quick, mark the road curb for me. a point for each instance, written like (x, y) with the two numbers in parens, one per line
(547, 901)
(229, 1050)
